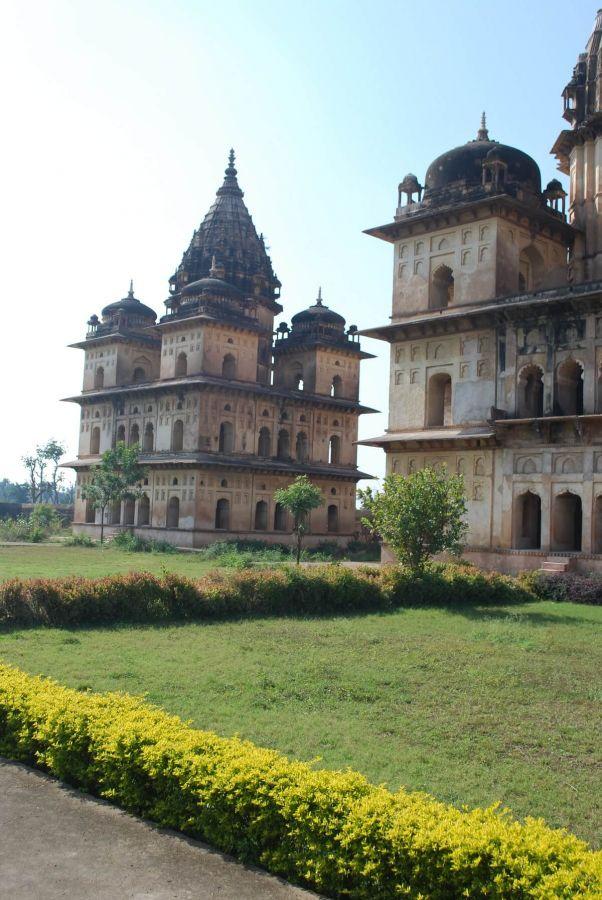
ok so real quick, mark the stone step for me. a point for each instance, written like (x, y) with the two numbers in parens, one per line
(556, 564)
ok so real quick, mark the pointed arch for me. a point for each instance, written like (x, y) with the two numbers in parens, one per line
(229, 366)
(226, 437)
(181, 365)
(442, 287)
(177, 435)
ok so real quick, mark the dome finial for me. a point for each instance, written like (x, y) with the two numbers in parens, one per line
(213, 269)
(131, 290)
(319, 300)
(231, 170)
(483, 133)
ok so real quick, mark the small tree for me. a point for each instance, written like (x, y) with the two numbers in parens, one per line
(418, 515)
(116, 478)
(300, 498)
(36, 464)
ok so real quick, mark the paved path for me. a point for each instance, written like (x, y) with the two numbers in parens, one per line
(56, 842)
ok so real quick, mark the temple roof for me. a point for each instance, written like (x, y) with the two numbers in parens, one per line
(226, 241)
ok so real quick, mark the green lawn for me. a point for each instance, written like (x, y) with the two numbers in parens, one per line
(57, 561)
(473, 706)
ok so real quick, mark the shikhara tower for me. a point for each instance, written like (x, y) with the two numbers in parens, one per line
(496, 336)
(224, 414)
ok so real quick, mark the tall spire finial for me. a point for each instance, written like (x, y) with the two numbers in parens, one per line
(131, 290)
(231, 170)
(483, 133)
(319, 300)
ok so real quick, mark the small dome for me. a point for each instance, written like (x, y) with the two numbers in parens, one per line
(555, 187)
(129, 305)
(213, 286)
(318, 315)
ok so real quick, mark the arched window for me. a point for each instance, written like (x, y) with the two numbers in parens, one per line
(120, 436)
(149, 437)
(439, 400)
(567, 522)
(177, 435)
(284, 444)
(226, 437)
(295, 378)
(530, 393)
(134, 434)
(334, 450)
(598, 525)
(181, 365)
(99, 378)
(527, 521)
(333, 517)
(530, 269)
(115, 513)
(569, 388)
(129, 507)
(279, 517)
(144, 510)
(139, 375)
(222, 514)
(261, 515)
(228, 366)
(95, 440)
(90, 513)
(173, 512)
(264, 446)
(442, 288)
(336, 387)
(301, 447)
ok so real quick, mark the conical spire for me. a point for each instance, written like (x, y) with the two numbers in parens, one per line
(131, 290)
(319, 300)
(227, 240)
(483, 133)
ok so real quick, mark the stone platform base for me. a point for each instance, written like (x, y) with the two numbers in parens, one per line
(513, 562)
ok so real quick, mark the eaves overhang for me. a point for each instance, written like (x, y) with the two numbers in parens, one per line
(451, 320)
(430, 217)
(223, 461)
(191, 381)
(470, 436)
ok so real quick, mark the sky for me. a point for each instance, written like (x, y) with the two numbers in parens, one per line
(118, 118)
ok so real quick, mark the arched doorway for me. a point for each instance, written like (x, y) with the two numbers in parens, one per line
(439, 400)
(173, 512)
(95, 441)
(177, 435)
(264, 446)
(530, 393)
(301, 447)
(334, 450)
(333, 518)
(222, 514)
(181, 365)
(144, 510)
(149, 437)
(567, 522)
(228, 366)
(442, 288)
(279, 517)
(527, 521)
(598, 525)
(284, 444)
(261, 515)
(99, 378)
(134, 435)
(569, 388)
(129, 507)
(226, 437)
(336, 389)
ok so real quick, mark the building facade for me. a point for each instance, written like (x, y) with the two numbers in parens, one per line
(496, 336)
(225, 410)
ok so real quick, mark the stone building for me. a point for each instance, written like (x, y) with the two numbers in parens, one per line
(496, 336)
(224, 413)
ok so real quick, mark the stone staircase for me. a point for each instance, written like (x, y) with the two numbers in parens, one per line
(556, 565)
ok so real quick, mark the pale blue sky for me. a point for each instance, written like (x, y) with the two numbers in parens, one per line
(117, 122)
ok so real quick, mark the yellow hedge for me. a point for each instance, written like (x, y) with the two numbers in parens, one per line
(332, 831)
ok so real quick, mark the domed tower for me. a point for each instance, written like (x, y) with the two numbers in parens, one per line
(579, 154)
(318, 354)
(225, 276)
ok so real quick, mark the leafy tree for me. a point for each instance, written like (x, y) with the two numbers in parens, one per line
(13, 491)
(53, 451)
(116, 478)
(418, 515)
(300, 498)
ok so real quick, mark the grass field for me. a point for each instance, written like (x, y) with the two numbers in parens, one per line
(57, 561)
(473, 706)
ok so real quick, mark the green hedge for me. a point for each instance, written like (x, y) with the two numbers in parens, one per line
(323, 590)
(332, 831)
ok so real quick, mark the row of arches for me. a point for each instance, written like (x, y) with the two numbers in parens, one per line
(295, 380)
(566, 532)
(568, 390)
(125, 514)
(139, 375)
(142, 373)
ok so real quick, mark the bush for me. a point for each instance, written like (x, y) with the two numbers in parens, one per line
(324, 590)
(566, 586)
(132, 543)
(79, 540)
(331, 831)
(21, 529)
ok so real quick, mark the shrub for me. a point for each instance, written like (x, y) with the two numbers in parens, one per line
(566, 586)
(332, 831)
(132, 543)
(79, 540)
(21, 529)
